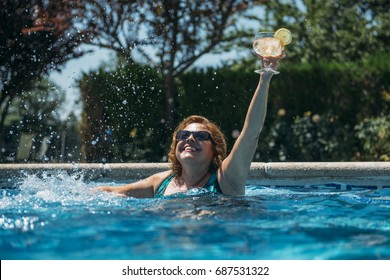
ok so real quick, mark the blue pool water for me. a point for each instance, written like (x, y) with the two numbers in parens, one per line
(63, 217)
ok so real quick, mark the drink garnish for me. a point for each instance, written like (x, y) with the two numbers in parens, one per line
(284, 35)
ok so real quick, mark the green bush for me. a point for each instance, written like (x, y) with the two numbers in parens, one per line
(339, 97)
(374, 136)
(310, 137)
(122, 114)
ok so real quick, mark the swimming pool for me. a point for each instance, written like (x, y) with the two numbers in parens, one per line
(57, 215)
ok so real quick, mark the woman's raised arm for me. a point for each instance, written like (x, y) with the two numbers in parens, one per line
(233, 172)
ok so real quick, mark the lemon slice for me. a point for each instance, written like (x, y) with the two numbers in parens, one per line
(284, 35)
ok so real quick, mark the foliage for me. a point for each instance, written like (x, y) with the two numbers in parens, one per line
(35, 36)
(347, 94)
(312, 114)
(313, 108)
(42, 103)
(169, 35)
(334, 30)
(310, 137)
(374, 135)
(222, 95)
(337, 69)
(38, 112)
(122, 118)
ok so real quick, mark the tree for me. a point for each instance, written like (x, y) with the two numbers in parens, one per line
(339, 30)
(41, 103)
(169, 34)
(36, 36)
(38, 112)
(123, 125)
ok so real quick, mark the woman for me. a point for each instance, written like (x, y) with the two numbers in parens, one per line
(198, 154)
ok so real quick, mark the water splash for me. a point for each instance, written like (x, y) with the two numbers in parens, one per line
(37, 200)
(57, 187)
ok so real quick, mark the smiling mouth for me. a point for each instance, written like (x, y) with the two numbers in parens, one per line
(190, 149)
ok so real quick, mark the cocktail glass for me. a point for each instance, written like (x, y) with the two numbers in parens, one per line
(267, 47)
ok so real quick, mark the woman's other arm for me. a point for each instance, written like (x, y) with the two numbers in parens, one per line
(141, 189)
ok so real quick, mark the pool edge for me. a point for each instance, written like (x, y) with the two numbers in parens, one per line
(273, 173)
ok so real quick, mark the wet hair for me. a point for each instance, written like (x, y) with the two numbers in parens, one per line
(219, 142)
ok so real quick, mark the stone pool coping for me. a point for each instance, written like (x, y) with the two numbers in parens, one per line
(270, 174)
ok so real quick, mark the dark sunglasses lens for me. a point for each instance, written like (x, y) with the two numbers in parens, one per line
(182, 135)
(198, 135)
(201, 135)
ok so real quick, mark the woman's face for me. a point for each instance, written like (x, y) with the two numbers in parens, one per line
(194, 151)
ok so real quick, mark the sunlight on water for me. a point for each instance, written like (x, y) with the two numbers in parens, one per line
(64, 216)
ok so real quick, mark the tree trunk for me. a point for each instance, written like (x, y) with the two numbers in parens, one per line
(4, 105)
(94, 147)
(170, 98)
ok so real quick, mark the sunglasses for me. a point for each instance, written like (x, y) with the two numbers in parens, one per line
(182, 135)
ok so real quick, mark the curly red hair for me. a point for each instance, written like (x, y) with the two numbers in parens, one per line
(218, 140)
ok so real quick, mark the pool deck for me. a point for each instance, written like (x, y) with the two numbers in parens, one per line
(270, 174)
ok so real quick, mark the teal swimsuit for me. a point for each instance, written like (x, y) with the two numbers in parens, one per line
(212, 185)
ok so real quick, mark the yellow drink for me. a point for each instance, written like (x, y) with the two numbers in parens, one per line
(268, 47)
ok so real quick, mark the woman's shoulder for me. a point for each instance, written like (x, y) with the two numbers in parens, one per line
(162, 175)
(159, 177)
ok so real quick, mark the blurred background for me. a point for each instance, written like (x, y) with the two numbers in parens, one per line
(108, 80)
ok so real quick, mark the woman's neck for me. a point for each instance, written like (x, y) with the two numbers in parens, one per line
(194, 178)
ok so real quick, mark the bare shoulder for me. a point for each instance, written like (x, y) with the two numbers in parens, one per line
(158, 178)
(160, 175)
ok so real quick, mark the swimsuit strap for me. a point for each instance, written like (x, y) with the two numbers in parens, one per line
(211, 185)
(163, 186)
